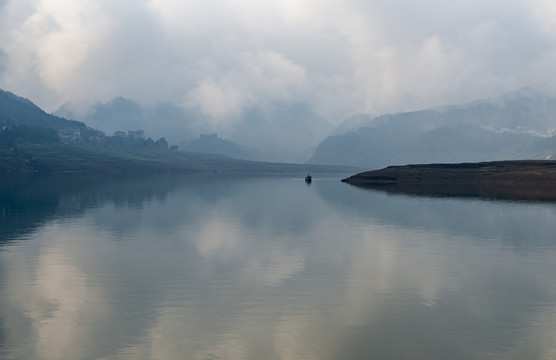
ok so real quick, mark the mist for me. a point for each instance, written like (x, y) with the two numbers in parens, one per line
(213, 65)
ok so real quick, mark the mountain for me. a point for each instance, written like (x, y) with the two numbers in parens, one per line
(212, 144)
(15, 110)
(287, 132)
(515, 126)
(119, 114)
(273, 132)
(30, 142)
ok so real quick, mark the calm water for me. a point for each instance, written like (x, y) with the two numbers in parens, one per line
(270, 268)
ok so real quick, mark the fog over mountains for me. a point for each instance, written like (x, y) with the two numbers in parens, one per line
(271, 76)
(276, 132)
(519, 125)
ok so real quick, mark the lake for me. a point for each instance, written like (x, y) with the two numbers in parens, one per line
(201, 267)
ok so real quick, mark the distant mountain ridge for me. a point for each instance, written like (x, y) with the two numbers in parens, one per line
(213, 144)
(32, 141)
(287, 132)
(515, 126)
(520, 125)
(124, 114)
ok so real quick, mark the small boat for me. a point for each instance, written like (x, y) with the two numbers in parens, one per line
(308, 178)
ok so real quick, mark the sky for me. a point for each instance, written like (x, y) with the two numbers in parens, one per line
(338, 57)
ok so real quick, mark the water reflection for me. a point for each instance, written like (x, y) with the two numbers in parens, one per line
(515, 223)
(515, 192)
(265, 268)
(27, 201)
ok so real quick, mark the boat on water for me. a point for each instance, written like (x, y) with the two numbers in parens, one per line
(308, 178)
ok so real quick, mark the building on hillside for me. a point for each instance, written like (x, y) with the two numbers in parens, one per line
(69, 135)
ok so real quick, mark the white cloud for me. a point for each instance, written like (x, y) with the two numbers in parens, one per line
(544, 11)
(217, 101)
(50, 43)
(339, 57)
(273, 76)
(3, 61)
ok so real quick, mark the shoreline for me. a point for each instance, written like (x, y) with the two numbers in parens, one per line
(529, 180)
(511, 172)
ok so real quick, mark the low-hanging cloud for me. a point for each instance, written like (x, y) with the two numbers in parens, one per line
(223, 56)
(258, 78)
(3, 61)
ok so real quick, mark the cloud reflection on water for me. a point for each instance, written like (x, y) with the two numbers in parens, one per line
(222, 274)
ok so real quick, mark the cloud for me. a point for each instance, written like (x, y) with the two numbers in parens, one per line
(218, 101)
(3, 61)
(222, 56)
